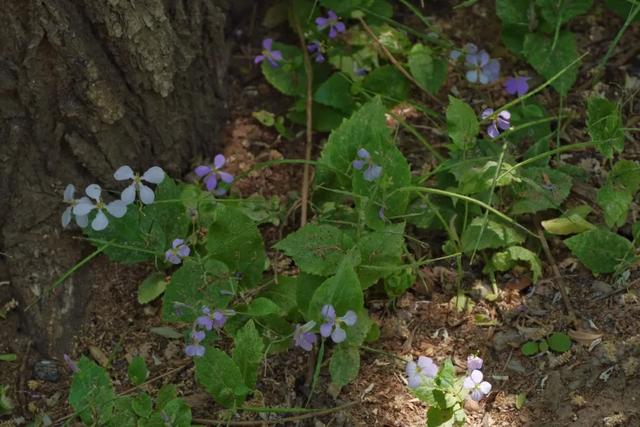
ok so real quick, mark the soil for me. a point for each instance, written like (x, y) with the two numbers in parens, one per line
(597, 383)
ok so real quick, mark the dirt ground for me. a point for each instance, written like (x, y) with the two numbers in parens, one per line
(597, 383)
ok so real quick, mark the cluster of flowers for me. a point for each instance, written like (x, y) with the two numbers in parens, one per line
(82, 207)
(421, 373)
(481, 68)
(208, 321)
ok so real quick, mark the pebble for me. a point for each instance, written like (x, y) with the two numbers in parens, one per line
(46, 370)
(504, 340)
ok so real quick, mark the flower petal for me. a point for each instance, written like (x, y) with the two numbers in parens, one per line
(154, 175)
(211, 182)
(476, 395)
(321, 22)
(474, 363)
(454, 55)
(350, 318)
(486, 113)
(117, 208)
(332, 15)
(93, 191)
(219, 161)
(492, 131)
(100, 222)
(82, 220)
(66, 217)
(414, 381)
(146, 194)
(226, 177)
(175, 244)
(363, 154)
(267, 43)
(276, 55)
(123, 172)
(358, 164)
(197, 336)
(372, 173)
(83, 207)
(328, 312)
(340, 27)
(468, 383)
(326, 328)
(476, 376)
(128, 195)
(202, 171)
(485, 387)
(332, 32)
(258, 59)
(338, 335)
(68, 193)
(184, 251)
(411, 368)
(472, 76)
(205, 321)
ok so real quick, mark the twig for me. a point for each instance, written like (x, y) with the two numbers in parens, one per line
(395, 62)
(617, 291)
(309, 134)
(556, 271)
(311, 414)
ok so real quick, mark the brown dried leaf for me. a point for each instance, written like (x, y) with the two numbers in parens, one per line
(584, 337)
(99, 356)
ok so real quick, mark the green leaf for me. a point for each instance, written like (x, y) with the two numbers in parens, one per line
(523, 114)
(625, 174)
(544, 346)
(6, 406)
(397, 283)
(439, 417)
(559, 342)
(178, 413)
(325, 119)
(563, 10)
(615, 205)
(513, 12)
(548, 63)
(248, 352)
(138, 371)
(601, 251)
(521, 398)
(495, 235)
(605, 126)
(336, 92)
(571, 224)
(343, 7)
(462, 123)
(316, 249)
(263, 307)
(91, 394)
(151, 287)
(221, 377)
(507, 259)
(235, 240)
(166, 394)
(307, 285)
(289, 78)
(530, 348)
(430, 72)
(539, 189)
(381, 252)
(344, 365)
(142, 405)
(8, 357)
(388, 82)
(283, 294)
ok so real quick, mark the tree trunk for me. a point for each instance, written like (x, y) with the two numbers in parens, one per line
(85, 87)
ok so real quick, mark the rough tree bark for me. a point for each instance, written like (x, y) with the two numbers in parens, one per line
(87, 86)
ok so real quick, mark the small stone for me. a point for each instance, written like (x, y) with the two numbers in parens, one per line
(46, 370)
(505, 340)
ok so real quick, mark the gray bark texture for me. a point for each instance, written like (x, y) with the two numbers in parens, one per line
(85, 87)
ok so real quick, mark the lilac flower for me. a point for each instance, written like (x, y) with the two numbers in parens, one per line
(272, 56)
(316, 47)
(499, 123)
(517, 85)
(217, 319)
(333, 22)
(153, 175)
(373, 171)
(71, 364)
(478, 388)
(212, 175)
(482, 69)
(303, 338)
(474, 363)
(178, 251)
(81, 220)
(359, 71)
(418, 373)
(332, 326)
(195, 349)
(455, 55)
(117, 208)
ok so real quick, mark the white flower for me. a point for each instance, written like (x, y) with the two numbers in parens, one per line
(154, 175)
(117, 208)
(81, 220)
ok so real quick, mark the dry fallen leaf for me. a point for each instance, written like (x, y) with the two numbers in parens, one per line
(584, 337)
(99, 356)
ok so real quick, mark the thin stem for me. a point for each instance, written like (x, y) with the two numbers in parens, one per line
(571, 147)
(633, 12)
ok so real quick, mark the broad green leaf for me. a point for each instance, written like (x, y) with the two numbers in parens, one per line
(248, 352)
(178, 413)
(625, 174)
(548, 63)
(138, 371)
(462, 123)
(540, 189)
(151, 287)
(142, 405)
(507, 259)
(601, 251)
(6, 405)
(388, 82)
(559, 342)
(344, 365)
(605, 126)
(439, 417)
(263, 307)
(530, 348)
(394, 40)
(397, 283)
(219, 375)
(513, 11)
(615, 205)
(316, 249)
(495, 235)
(289, 77)
(563, 10)
(343, 7)
(8, 357)
(336, 92)
(307, 284)
(430, 72)
(91, 394)
(283, 293)
(381, 253)
(563, 226)
(235, 240)
(523, 114)
(325, 119)
(166, 394)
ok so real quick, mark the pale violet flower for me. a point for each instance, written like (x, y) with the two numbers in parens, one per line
(303, 337)
(81, 220)
(476, 386)
(117, 208)
(474, 363)
(154, 175)
(418, 373)
(499, 123)
(333, 325)
(373, 171)
(178, 251)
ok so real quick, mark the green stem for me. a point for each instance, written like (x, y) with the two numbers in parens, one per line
(571, 147)
(316, 372)
(633, 12)
(386, 353)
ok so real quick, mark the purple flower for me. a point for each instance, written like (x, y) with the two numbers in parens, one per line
(478, 388)
(217, 319)
(81, 220)
(117, 208)
(302, 337)
(316, 47)
(194, 350)
(178, 251)
(455, 55)
(272, 56)
(373, 171)
(71, 364)
(499, 123)
(332, 326)
(474, 363)
(153, 175)
(333, 22)
(482, 69)
(418, 373)
(517, 85)
(212, 175)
